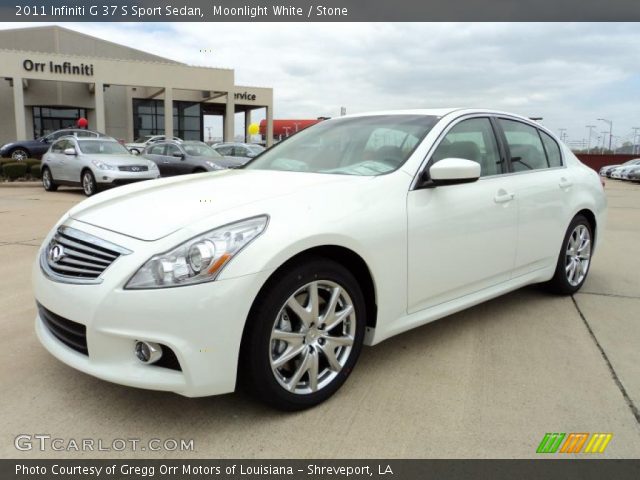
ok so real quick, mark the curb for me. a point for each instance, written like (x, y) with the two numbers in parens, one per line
(19, 184)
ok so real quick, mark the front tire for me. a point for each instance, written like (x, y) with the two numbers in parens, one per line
(574, 259)
(19, 154)
(304, 335)
(47, 180)
(89, 185)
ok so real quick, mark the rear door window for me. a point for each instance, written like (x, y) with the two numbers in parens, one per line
(525, 146)
(552, 149)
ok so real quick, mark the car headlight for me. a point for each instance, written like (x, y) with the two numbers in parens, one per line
(215, 166)
(200, 259)
(103, 166)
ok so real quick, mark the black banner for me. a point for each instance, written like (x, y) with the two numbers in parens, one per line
(316, 10)
(320, 469)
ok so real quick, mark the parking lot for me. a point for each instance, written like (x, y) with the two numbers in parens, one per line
(485, 383)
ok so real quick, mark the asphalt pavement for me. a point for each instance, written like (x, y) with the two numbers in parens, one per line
(485, 383)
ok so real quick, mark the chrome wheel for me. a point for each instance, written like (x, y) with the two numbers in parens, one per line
(312, 337)
(578, 255)
(19, 155)
(46, 179)
(88, 184)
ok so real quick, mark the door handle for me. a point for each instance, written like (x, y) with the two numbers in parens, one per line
(565, 183)
(503, 197)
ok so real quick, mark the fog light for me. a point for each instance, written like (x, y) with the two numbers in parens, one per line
(148, 352)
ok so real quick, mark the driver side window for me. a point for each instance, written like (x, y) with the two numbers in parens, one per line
(472, 139)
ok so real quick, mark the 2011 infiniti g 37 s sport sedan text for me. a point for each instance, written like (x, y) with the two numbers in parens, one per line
(272, 277)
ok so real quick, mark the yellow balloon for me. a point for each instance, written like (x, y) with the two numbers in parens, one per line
(254, 129)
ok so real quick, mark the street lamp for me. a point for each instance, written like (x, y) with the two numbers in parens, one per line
(562, 134)
(590, 127)
(610, 123)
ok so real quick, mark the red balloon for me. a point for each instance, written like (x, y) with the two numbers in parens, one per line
(82, 122)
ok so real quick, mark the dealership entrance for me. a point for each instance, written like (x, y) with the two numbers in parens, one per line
(50, 119)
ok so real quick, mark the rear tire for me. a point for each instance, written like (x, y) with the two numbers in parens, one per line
(296, 351)
(89, 185)
(47, 180)
(574, 259)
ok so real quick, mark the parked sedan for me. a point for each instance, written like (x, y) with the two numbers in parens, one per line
(179, 158)
(274, 276)
(608, 170)
(23, 149)
(245, 151)
(93, 164)
(634, 174)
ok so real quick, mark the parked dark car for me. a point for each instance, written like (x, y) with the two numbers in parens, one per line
(22, 149)
(179, 158)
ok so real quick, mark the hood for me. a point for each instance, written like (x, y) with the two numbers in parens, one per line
(154, 209)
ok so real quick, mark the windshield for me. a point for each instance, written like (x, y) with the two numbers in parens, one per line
(371, 145)
(255, 149)
(97, 147)
(143, 139)
(200, 150)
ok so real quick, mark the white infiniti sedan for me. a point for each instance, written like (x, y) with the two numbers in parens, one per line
(272, 277)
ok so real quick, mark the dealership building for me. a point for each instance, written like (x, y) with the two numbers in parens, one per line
(51, 76)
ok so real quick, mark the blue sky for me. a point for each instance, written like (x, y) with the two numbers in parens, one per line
(569, 74)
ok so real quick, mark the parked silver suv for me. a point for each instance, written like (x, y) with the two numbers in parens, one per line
(92, 163)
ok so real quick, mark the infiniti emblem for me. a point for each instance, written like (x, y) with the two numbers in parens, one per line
(56, 253)
(135, 169)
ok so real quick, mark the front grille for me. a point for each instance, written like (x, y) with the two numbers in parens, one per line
(78, 257)
(72, 334)
(133, 168)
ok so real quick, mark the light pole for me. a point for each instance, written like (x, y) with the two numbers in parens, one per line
(635, 136)
(610, 123)
(604, 139)
(590, 127)
(562, 134)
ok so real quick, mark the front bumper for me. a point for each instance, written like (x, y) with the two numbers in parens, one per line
(114, 178)
(202, 324)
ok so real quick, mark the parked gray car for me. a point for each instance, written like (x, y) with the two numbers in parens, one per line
(93, 164)
(179, 158)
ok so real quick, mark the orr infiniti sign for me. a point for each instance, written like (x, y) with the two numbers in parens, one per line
(64, 68)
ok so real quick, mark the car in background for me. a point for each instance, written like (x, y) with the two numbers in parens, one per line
(180, 158)
(140, 144)
(619, 173)
(608, 170)
(352, 231)
(23, 149)
(634, 174)
(239, 150)
(93, 164)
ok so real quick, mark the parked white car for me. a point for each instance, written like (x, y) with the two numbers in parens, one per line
(352, 231)
(93, 164)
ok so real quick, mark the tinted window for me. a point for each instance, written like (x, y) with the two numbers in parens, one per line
(156, 150)
(58, 146)
(100, 147)
(472, 139)
(524, 145)
(171, 150)
(552, 149)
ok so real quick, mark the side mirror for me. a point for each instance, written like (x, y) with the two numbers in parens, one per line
(451, 171)
(70, 151)
(134, 152)
(179, 155)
